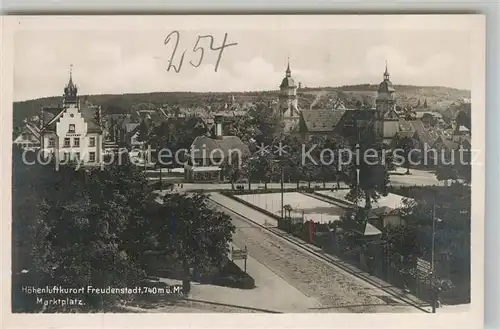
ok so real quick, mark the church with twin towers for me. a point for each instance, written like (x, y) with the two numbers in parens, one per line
(336, 118)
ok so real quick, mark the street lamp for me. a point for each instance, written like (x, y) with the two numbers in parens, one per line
(436, 289)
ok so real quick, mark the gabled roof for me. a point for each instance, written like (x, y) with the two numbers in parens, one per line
(130, 127)
(417, 125)
(321, 120)
(87, 110)
(28, 129)
(35, 131)
(367, 229)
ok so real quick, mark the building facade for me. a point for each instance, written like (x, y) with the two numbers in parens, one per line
(72, 132)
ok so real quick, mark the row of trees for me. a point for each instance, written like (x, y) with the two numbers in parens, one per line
(92, 227)
(450, 164)
(320, 159)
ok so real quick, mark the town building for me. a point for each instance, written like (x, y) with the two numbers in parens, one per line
(73, 131)
(29, 138)
(208, 155)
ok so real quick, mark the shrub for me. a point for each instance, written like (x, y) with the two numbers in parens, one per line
(232, 276)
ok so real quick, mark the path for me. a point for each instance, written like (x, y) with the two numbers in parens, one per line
(336, 289)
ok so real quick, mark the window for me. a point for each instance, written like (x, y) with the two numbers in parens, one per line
(76, 142)
(65, 157)
(91, 156)
(51, 141)
(66, 142)
(92, 142)
(77, 156)
(71, 128)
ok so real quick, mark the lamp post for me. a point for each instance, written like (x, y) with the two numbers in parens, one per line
(436, 289)
(282, 194)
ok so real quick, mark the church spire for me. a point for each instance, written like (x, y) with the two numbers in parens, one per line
(386, 73)
(70, 91)
(288, 71)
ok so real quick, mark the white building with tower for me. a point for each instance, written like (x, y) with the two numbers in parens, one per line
(72, 131)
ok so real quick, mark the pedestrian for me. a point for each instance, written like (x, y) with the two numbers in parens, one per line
(182, 185)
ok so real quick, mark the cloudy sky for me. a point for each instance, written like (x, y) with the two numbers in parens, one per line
(136, 61)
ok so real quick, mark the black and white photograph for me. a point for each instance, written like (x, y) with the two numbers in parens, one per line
(245, 164)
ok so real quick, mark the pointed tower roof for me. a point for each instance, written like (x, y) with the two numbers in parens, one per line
(288, 81)
(385, 86)
(386, 73)
(71, 89)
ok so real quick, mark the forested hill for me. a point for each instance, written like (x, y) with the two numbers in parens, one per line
(437, 97)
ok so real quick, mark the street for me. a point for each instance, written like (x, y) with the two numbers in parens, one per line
(335, 289)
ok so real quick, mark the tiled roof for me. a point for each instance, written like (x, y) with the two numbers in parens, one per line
(206, 145)
(321, 120)
(130, 127)
(417, 125)
(49, 113)
(34, 130)
(88, 112)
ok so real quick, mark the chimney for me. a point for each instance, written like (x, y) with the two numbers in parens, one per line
(218, 127)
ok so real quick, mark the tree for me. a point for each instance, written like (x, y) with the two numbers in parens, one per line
(263, 123)
(233, 169)
(373, 169)
(400, 240)
(87, 229)
(144, 131)
(449, 207)
(288, 211)
(407, 145)
(199, 235)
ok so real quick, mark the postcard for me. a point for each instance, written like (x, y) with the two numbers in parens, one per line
(216, 171)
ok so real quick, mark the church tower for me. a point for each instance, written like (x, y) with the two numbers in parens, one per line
(385, 102)
(70, 91)
(288, 106)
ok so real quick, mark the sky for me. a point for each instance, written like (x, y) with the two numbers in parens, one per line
(131, 61)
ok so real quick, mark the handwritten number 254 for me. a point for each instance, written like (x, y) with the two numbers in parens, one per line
(196, 49)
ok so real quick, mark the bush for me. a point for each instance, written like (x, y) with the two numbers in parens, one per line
(232, 276)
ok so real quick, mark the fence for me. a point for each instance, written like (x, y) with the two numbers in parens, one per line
(372, 259)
